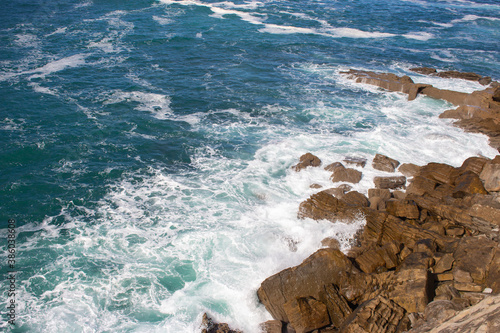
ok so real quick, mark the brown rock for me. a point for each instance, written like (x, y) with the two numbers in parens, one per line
(493, 276)
(473, 255)
(209, 326)
(490, 175)
(424, 70)
(468, 183)
(447, 291)
(315, 186)
(338, 308)
(324, 206)
(421, 186)
(342, 174)
(444, 264)
(306, 160)
(417, 260)
(331, 242)
(306, 314)
(389, 252)
(439, 172)
(384, 163)
(408, 210)
(356, 199)
(474, 164)
(333, 166)
(377, 315)
(386, 81)
(455, 231)
(390, 182)
(326, 266)
(460, 75)
(409, 169)
(482, 317)
(399, 195)
(382, 193)
(468, 286)
(272, 326)
(377, 203)
(357, 161)
(486, 210)
(485, 80)
(370, 260)
(444, 277)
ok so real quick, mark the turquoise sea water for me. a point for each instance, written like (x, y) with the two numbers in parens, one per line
(146, 146)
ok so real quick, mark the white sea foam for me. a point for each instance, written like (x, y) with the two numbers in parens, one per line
(27, 40)
(157, 104)
(470, 18)
(57, 66)
(421, 35)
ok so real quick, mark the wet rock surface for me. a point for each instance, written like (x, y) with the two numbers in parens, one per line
(428, 257)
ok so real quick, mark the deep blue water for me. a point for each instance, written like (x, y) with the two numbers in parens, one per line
(146, 145)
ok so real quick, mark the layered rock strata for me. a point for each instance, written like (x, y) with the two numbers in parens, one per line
(477, 112)
(424, 257)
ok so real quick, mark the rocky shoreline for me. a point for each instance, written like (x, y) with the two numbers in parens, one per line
(428, 257)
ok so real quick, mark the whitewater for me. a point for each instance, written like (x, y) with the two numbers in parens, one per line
(146, 146)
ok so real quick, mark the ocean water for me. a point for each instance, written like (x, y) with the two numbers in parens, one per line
(146, 145)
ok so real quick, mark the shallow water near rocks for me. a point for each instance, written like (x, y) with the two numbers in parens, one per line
(146, 146)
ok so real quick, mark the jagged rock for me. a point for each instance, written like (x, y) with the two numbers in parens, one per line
(446, 291)
(324, 206)
(417, 260)
(272, 326)
(306, 314)
(370, 260)
(339, 191)
(399, 195)
(409, 169)
(306, 160)
(377, 203)
(455, 231)
(460, 75)
(482, 317)
(389, 252)
(377, 315)
(453, 212)
(326, 266)
(444, 264)
(338, 308)
(357, 161)
(333, 166)
(331, 243)
(382, 193)
(474, 164)
(410, 288)
(343, 174)
(439, 172)
(384, 163)
(490, 175)
(209, 326)
(469, 183)
(493, 277)
(386, 81)
(437, 312)
(485, 80)
(424, 70)
(356, 199)
(390, 182)
(315, 186)
(408, 210)
(421, 186)
(426, 245)
(474, 255)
